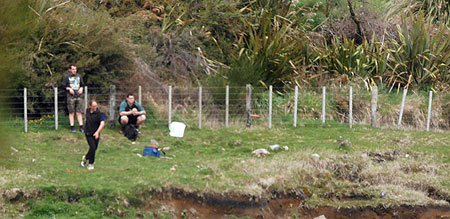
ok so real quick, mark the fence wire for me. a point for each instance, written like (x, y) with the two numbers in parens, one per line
(212, 111)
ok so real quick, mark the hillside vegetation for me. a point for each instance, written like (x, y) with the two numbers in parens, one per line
(392, 44)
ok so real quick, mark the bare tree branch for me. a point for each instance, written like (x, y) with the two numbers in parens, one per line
(358, 24)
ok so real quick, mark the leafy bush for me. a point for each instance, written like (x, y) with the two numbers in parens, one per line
(69, 33)
(15, 26)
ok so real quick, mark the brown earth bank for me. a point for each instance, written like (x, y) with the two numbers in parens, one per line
(192, 205)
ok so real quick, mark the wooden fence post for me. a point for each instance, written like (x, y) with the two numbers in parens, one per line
(248, 107)
(112, 106)
(56, 107)
(373, 103)
(399, 123)
(429, 110)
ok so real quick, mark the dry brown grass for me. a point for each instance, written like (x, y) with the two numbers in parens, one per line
(405, 178)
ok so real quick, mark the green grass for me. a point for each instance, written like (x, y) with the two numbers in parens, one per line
(220, 161)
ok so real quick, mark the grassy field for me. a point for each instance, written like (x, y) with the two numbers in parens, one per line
(385, 167)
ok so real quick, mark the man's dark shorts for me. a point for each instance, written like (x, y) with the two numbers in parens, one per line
(74, 104)
(131, 119)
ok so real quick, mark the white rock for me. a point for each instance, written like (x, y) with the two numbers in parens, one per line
(316, 155)
(320, 217)
(286, 148)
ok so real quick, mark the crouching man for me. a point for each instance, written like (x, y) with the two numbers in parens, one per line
(131, 112)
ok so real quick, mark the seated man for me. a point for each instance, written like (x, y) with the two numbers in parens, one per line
(131, 112)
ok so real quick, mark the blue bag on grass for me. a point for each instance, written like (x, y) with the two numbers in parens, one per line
(152, 151)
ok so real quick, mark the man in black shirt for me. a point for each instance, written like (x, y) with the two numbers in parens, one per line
(95, 121)
(73, 84)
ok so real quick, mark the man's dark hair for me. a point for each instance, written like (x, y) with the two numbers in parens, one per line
(129, 94)
(72, 64)
(92, 101)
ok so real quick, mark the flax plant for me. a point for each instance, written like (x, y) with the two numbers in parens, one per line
(421, 56)
(436, 10)
(270, 47)
(342, 58)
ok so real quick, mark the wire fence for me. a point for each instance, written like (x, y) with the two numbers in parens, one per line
(37, 109)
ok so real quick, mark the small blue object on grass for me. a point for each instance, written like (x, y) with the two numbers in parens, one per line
(152, 151)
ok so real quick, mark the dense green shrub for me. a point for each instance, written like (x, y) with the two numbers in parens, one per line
(58, 35)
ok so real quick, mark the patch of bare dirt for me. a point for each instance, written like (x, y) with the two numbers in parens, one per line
(383, 157)
(192, 205)
(404, 211)
(437, 195)
(352, 197)
(15, 195)
(181, 204)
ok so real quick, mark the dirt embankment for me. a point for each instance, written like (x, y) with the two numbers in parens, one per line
(181, 204)
(192, 205)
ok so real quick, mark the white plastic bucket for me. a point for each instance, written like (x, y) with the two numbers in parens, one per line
(177, 129)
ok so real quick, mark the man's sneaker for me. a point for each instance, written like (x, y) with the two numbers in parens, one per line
(83, 161)
(74, 131)
(90, 167)
(82, 130)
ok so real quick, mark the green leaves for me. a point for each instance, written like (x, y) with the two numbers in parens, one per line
(81, 36)
(270, 47)
(436, 11)
(343, 57)
(421, 56)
